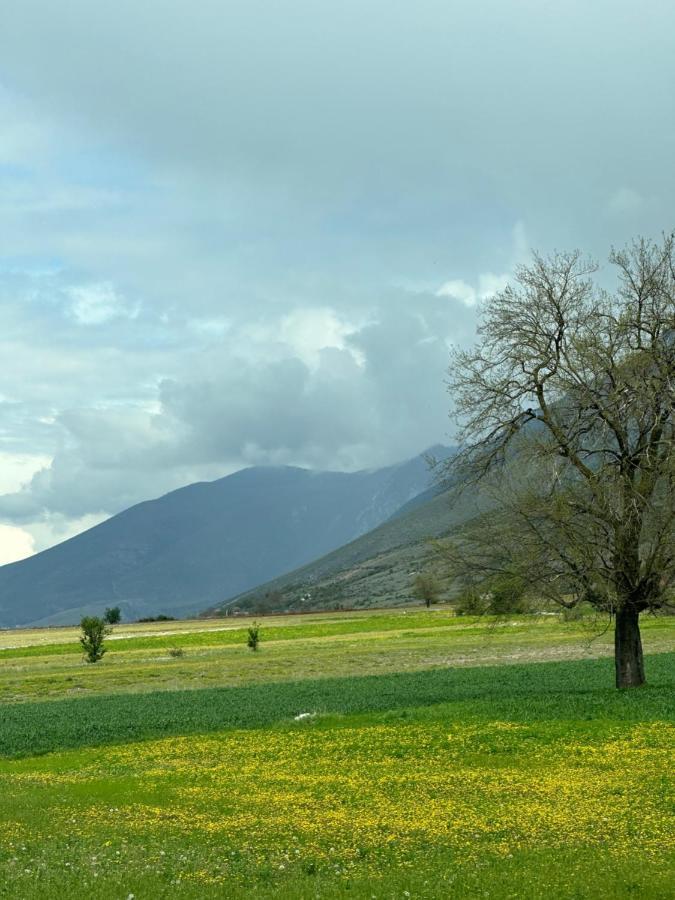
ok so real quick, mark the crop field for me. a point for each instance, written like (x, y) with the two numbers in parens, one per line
(375, 755)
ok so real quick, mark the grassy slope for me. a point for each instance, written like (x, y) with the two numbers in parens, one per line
(375, 569)
(573, 690)
(235, 634)
(529, 780)
(322, 645)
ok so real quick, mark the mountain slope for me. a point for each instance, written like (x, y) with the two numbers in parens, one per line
(375, 569)
(203, 543)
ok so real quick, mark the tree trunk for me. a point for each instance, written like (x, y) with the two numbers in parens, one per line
(628, 660)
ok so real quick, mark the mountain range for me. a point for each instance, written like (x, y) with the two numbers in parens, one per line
(203, 544)
(376, 569)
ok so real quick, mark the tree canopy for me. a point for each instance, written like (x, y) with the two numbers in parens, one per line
(566, 405)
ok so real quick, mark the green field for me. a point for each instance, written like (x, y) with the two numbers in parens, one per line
(435, 757)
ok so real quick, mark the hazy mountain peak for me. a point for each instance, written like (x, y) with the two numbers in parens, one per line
(205, 542)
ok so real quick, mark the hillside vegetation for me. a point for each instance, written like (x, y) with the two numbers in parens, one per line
(376, 569)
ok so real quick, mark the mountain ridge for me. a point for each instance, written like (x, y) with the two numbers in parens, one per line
(375, 569)
(204, 542)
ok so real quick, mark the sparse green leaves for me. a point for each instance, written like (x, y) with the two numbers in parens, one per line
(253, 636)
(94, 632)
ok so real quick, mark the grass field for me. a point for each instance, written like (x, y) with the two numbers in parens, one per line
(435, 757)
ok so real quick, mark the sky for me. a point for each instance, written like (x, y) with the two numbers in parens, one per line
(237, 233)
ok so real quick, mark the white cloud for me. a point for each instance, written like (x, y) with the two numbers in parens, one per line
(15, 544)
(96, 304)
(309, 388)
(307, 332)
(458, 290)
(488, 284)
(53, 528)
(16, 469)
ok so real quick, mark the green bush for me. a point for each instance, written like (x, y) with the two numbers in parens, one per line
(94, 631)
(112, 615)
(497, 597)
(253, 636)
(506, 596)
(471, 603)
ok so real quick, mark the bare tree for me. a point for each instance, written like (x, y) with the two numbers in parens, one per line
(426, 588)
(567, 412)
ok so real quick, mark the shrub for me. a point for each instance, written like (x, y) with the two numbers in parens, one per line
(160, 618)
(176, 652)
(253, 636)
(471, 603)
(112, 615)
(498, 597)
(94, 631)
(506, 596)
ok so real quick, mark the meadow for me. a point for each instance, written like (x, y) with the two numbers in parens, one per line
(386, 755)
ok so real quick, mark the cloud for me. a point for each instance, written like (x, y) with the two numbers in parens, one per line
(15, 544)
(282, 114)
(16, 469)
(324, 393)
(308, 332)
(250, 235)
(459, 290)
(488, 283)
(96, 304)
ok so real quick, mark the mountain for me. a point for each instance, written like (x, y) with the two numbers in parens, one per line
(206, 542)
(376, 569)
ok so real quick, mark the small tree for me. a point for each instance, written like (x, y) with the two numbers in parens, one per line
(426, 588)
(112, 615)
(94, 631)
(471, 602)
(567, 404)
(506, 596)
(253, 636)
(498, 596)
